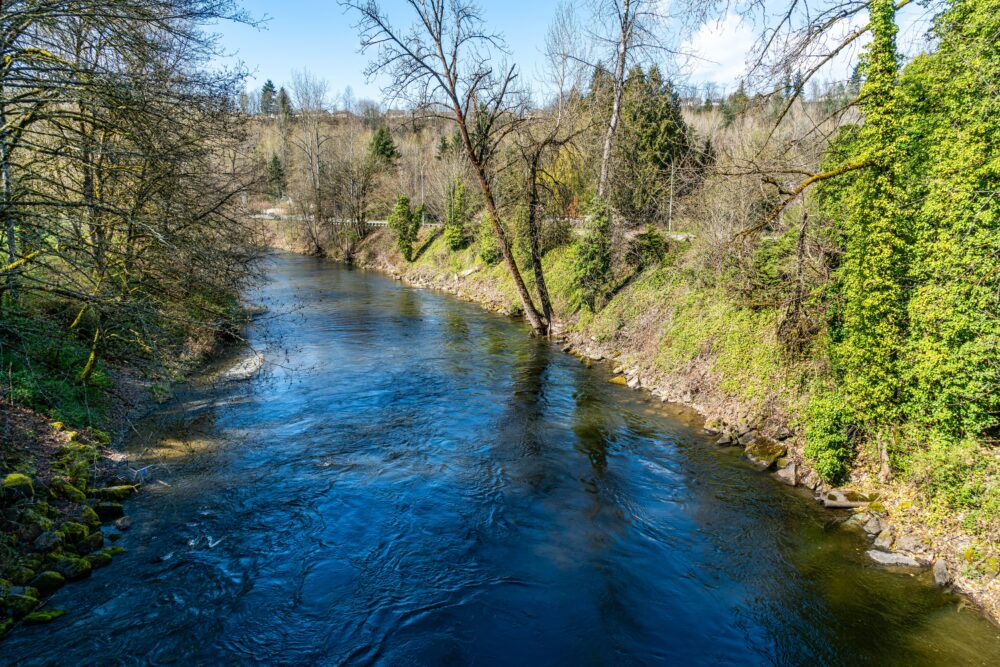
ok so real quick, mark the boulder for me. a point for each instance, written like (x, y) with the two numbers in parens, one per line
(874, 525)
(124, 523)
(108, 511)
(887, 558)
(712, 426)
(72, 568)
(763, 452)
(726, 440)
(911, 544)
(48, 582)
(839, 500)
(116, 493)
(941, 576)
(47, 541)
(16, 486)
(73, 533)
(884, 539)
(788, 475)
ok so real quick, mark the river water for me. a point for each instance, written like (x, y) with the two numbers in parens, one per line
(409, 480)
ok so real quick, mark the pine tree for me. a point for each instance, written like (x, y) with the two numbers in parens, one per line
(454, 222)
(592, 268)
(267, 95)
(405, 225)
(276, 184)
(381, 147)
(284, 103)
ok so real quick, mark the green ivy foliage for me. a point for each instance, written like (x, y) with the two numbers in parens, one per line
(592, 268)
(405, 225)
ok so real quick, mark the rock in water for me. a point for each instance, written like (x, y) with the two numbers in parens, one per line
(763, 452)
(874, 525)
(884, 539)
(886, 558)
(941, 576)
(788, 475)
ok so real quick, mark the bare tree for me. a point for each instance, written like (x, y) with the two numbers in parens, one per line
(442, 63)
(631, 32)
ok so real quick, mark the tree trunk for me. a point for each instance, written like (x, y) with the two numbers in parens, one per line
(530, 312)
(616, 107)
(536, 251)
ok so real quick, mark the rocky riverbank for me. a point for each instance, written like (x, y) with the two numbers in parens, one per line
(61, 512)
(890, 515)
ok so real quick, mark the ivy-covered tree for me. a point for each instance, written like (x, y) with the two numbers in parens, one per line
(283, 103)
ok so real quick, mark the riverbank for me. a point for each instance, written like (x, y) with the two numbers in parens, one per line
(62, 487)
(689, 344)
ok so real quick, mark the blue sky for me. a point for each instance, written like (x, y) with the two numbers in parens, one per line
(317, 35)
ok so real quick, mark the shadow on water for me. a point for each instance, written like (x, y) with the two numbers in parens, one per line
(411, 480)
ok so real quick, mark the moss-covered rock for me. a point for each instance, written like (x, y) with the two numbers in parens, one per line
(90, 517)
(93, 542)
(619, 379)
(47, 541)
(109, 511)
(21, 575)
(43, 616)
(764, 453)
(5, 625)
(73, 532)
(115, 493)
(16, 486)
(48, 582)
(72, 568)
(115, 551)
(61, 488)
(99, 558)
(20, 605)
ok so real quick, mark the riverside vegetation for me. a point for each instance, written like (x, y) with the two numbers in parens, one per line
(810, 262)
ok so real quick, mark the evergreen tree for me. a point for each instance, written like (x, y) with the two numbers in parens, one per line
(381, 146)
(592, 268)
(267, 98)
(276, 183)
(284, 103)
(454, 222)
(405, 225)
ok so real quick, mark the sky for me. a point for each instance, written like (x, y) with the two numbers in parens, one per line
(319, 36)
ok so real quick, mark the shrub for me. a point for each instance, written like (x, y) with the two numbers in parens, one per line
(592, 268)
(828, 436)
(489, 244)
(405, 225)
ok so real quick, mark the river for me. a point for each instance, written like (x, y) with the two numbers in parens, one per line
(411, 480)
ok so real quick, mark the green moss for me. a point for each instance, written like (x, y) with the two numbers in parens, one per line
(90, 516)
(20, 605)
(113, 492)
(5, 625)
(99, 559)
(73, 533)
(48, 582)
(16, 486)
(45, 616)
(115, 551)
(72, 568)
(61, 488)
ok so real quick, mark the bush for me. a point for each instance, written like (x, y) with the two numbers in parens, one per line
(455, 218)
(489, 244)
(405, 225)
(828, 437)
(648, 249)
(592, 268)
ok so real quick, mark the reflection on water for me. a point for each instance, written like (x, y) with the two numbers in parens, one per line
(410, 480)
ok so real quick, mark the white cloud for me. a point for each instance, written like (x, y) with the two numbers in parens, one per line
(719, 51)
